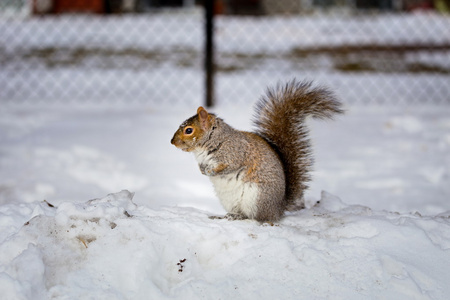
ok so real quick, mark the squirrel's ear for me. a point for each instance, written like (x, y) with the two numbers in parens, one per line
(203, 117)
(202, 112)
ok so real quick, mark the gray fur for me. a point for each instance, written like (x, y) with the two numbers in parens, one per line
(260, 175)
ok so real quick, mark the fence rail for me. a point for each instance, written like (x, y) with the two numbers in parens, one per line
(367, 56)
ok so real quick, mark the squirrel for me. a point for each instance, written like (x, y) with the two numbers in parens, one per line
(260, 175)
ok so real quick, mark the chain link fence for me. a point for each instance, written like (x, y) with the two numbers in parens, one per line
(125, 51)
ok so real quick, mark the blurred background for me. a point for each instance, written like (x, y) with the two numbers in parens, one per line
(369, 51)
(91, 92)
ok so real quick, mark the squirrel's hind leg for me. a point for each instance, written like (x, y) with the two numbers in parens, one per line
(230, 217)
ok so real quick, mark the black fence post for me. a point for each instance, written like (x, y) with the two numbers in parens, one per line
(209, 53)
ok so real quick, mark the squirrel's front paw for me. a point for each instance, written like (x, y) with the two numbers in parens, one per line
(207, 170)
(202, 169)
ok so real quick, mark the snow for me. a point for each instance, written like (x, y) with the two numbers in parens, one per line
(111, 248)
(380, 231)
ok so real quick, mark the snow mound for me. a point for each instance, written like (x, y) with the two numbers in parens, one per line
(111, 248)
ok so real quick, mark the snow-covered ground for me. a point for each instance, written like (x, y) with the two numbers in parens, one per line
(110, 248)
(380, 231)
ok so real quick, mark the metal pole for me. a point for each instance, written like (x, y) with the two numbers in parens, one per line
(209, 53)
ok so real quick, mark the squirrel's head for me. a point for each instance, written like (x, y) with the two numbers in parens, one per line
(192, 131)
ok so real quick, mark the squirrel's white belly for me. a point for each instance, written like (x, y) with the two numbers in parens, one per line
(236, 195)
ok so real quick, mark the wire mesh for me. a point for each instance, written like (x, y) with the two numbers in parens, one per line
(143, 51)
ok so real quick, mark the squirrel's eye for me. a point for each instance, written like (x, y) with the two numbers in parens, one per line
(189, 130)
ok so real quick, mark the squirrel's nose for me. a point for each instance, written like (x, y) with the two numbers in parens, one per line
(175, 141)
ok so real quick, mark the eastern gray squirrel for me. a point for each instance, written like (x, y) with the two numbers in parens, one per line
(259, 175)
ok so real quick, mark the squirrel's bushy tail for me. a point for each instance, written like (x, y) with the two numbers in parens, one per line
(280, 119)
